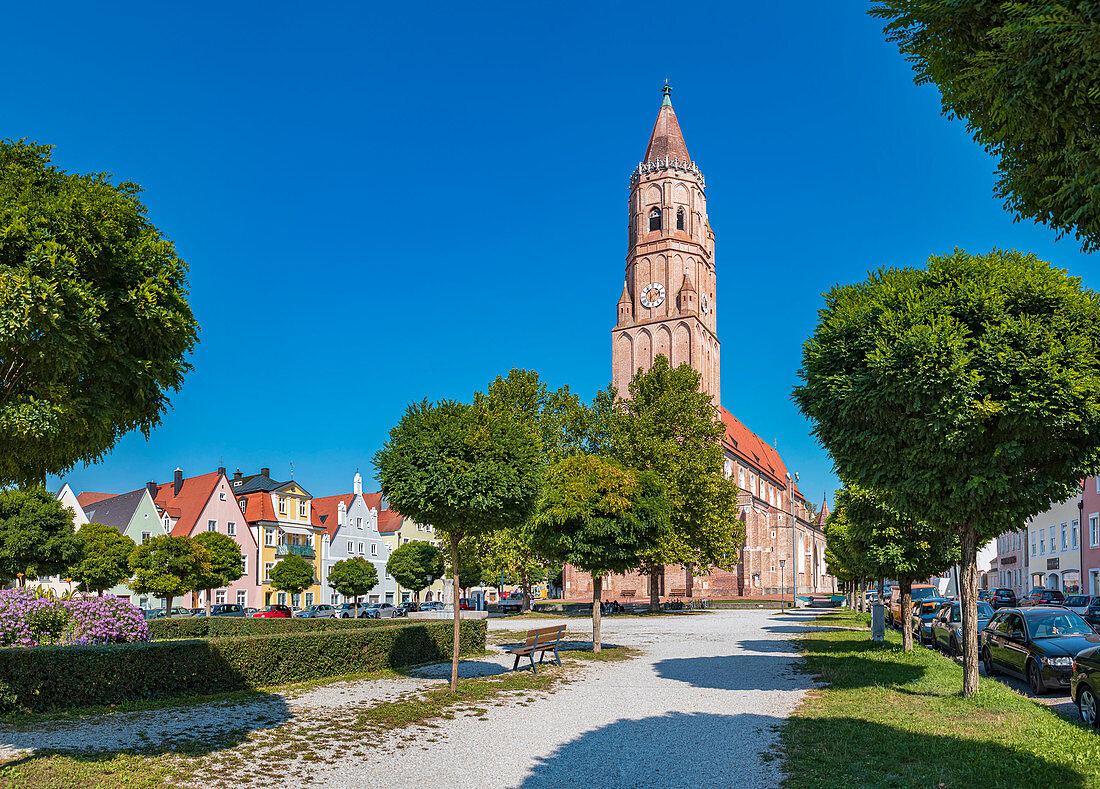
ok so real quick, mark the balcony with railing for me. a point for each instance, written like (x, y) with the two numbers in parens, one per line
(294, 550)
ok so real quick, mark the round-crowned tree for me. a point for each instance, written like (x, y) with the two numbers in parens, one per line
(464, 469)
(292, 574)
(104, 557)
(36, 534)
(167, 567)
(225, 563)
(415, 565)
(353, 578)
(95, 328)
(967, 392)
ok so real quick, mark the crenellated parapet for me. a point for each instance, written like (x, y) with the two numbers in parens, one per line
(666, 163)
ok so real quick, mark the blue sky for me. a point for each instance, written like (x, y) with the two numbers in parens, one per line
(386, 202)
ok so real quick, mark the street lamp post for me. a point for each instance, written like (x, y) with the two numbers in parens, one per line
(782, 590)
(794, 542)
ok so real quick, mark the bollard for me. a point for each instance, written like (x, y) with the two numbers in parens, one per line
(878, 622)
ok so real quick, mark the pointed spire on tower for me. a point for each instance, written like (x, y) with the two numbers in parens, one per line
(688, 295)
(687, 283)
(626, 307)
(823, 515)
(667, 139)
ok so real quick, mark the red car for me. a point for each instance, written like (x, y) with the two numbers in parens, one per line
(274, 612)
(466, 604)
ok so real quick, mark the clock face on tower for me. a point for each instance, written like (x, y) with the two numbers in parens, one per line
(706, 304)
(653, 295)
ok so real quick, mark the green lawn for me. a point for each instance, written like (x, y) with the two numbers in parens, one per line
(891, 719)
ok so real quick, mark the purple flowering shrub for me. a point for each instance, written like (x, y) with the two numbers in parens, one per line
(27, 620)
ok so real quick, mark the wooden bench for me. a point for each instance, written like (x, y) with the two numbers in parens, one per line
(678, 591)
(541, 640)
(627, 592)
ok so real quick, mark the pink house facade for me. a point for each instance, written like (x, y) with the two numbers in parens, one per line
(192, 505)
(1090, 537)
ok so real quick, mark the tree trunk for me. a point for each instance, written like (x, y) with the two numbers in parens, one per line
(861, 600)
(355, 608)
(655, 591)
(597, 599)
(168, 609)
(525, 584)
(881, 588)
(455, 539)
(968, 542)
(906, 623)
(207, 593)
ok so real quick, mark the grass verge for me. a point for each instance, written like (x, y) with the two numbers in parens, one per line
(889, 719)
(121, 771)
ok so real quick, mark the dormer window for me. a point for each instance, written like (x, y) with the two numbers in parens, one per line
(655, 219)
(679, 219)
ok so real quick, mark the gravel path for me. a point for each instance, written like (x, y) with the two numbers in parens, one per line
(698, 707)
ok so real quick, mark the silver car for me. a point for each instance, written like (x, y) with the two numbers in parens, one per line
(1078, 603)
(321, 611)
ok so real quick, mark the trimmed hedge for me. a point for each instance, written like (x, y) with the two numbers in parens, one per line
(49, 679)
(226, 626)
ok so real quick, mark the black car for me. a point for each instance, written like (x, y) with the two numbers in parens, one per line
(1037, 644)
(1085, 685)
(1092, 613)
(1002, 598)
(946, 626)
(1042, 597)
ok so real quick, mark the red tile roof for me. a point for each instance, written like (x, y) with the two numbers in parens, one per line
(258, 507)
(84, 499)
(753, 450)
(388, 521)
(322, 511)
(188, 505)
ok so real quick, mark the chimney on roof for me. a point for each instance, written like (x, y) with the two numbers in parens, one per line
(177, 481)
(237, 474)
(152, 488)
(265, 472)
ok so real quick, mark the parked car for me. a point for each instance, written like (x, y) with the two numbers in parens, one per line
(152, 613)
(250, 611)
(404, 608)
(1002, 598)
(1037, 644)
(1084, 685)
(274, 612)
(1092, 613)
(923, 611)
(432, 605)
(466, 604)
(946, 626)
(983, 595)
(919, 592)
(382, 611)
(1042, 597)
(348, 610)
(319, 611)
(197, 611)
(227, 609)
(1077, 603)
(513, 603)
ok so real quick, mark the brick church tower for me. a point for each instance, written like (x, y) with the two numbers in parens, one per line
(667, 305)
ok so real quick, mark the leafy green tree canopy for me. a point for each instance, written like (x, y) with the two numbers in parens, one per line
(225, 562)
(600, 517)
(167, 567)
(94, 325)
(968, 392)
(292, 574)
(670, 427)
(353, 578)
(36, 534)
(413, 563)
(104, 558)
(1023, 75)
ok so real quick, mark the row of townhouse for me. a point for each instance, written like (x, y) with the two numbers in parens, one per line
(269, 520)
(1056, 549)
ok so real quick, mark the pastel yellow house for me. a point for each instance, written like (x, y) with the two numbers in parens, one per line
(278, 513)
(396, 531)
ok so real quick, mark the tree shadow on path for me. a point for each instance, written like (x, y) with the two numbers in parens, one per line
(677, 749)
(729, 672)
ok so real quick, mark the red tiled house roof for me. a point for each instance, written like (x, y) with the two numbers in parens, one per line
(188, 504)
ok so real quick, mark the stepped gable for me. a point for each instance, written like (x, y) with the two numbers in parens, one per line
(323, 510)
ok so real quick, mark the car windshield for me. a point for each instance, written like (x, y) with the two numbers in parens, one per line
(985, 611)
(1060, 623)
(924, 592)
(1077, 600)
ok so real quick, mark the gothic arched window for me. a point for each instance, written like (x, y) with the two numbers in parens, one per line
(655, 219)
(679, 219)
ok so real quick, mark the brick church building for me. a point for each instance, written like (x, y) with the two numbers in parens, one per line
(669, 306)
